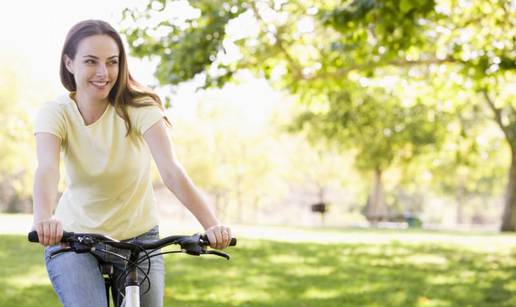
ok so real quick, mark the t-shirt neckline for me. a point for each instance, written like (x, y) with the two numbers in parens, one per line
(78, 113)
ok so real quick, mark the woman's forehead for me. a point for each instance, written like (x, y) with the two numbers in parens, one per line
(101, 46)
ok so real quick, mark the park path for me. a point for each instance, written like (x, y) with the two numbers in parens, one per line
(20, 224)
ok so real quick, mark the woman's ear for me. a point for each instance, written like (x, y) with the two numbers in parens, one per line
(68, 63)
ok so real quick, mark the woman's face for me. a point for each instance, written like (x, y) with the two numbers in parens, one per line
(95, 66)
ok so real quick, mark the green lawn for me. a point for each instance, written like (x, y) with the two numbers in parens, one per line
(269, 273)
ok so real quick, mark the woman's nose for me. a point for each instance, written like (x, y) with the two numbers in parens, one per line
(101, 70)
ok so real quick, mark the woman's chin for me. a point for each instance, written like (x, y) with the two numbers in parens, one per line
(99, 95)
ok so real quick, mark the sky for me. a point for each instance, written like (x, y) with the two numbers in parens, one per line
(34, 31)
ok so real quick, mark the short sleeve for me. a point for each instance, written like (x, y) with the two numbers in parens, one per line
(145, 117)
(50, 119)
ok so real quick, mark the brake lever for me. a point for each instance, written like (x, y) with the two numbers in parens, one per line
(218, 253)
(194, 250)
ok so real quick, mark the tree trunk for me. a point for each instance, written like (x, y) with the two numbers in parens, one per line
(256, 207)
(238, 198)
(221, 202)
(376, 208)
(459, 198)
(509, 212)
(509, 130)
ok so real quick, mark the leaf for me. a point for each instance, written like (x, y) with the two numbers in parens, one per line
(406, 6)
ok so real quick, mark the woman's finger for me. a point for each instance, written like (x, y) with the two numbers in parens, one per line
(218, 235)
(211, 238)
(39, 229)
(225, 237)
(46, 234)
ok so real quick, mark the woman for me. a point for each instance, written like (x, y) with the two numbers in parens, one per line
(104, 129)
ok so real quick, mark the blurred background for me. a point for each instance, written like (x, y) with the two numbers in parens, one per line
(311, 113)
(355, 121)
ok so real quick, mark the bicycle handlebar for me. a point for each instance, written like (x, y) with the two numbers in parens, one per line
(71, 236)
(89, 243)
(85, 242)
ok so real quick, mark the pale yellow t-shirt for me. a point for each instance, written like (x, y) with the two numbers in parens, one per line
(108, 182)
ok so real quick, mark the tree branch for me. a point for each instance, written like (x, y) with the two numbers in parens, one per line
(279, 42)
(400, 63)
(498, 116)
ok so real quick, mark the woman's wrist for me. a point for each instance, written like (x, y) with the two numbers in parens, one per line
(212, 224)
(41, 217)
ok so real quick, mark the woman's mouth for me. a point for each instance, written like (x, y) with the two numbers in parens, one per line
(100, 84)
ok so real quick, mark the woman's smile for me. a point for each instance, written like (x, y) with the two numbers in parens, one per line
(101, 85)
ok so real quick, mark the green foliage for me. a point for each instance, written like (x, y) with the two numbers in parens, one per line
(280, 44)
(374, 122)
(271, 273)
(190, 45)
(16, 139)
(459, 55)
(389, 28)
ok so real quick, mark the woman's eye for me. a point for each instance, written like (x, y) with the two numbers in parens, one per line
(89, 62)
(114, 62)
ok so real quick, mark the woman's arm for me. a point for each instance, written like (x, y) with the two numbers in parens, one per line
(45, 189)
(177, 181)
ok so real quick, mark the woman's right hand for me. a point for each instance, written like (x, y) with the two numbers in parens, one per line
(50, 231)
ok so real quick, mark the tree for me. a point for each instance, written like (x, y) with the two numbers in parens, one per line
(476, 38)
(368, 119)
(319, 49)
(15, 137)
(381, 129)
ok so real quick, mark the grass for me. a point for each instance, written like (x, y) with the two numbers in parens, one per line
(436, 271)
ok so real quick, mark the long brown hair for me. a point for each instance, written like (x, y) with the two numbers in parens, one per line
(126, 91)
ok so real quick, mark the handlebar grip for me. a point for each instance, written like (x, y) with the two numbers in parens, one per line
(232, 243)
(33, 236)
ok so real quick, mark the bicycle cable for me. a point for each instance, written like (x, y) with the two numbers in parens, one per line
(137, 266)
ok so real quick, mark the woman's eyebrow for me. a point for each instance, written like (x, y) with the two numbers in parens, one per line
(95, 57)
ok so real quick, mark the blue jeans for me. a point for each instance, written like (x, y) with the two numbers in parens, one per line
(78, 282)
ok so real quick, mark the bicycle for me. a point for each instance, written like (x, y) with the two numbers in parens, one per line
(88, 242)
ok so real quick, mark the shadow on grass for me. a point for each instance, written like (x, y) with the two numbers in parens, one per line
(270, 273)
(22, 274)
(265, 273)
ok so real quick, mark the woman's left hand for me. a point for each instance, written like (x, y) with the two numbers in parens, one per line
(219, 236)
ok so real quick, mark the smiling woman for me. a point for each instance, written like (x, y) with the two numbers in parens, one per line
(94, 66)
(101, 71)
(94, 75)
(17, 20)
(107, 127)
